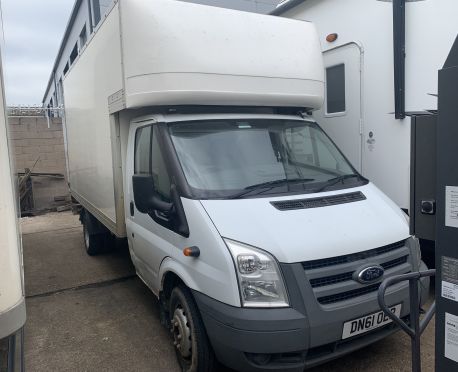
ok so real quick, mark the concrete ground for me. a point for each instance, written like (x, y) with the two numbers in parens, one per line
(92, 313)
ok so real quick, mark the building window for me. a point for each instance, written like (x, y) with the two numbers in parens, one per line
(96, 12)
(60, 93)
(66, 68)
(335, 89)
(74, 54)
(83, 37)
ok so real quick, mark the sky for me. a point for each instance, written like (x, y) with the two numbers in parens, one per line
(33, 30)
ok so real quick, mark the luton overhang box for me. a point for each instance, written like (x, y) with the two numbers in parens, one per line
(145, 55)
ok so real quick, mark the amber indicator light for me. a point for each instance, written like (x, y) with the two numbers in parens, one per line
(191, 252)
(331, 38)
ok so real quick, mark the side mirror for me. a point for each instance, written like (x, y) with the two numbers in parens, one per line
(146, 199)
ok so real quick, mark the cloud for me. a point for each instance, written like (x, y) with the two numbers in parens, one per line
(33, 32)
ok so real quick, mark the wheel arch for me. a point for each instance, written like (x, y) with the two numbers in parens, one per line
(173, 273)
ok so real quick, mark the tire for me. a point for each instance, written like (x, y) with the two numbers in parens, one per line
(196, 355)
(95, 244)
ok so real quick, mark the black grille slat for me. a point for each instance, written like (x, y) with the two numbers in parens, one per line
(348, 295)
(334, 279)
(324, 201)
(309, 265)
(393, 263)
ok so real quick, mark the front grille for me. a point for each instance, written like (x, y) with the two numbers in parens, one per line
(309, 265)
(332, 279)
(320, 282)
(324, 201)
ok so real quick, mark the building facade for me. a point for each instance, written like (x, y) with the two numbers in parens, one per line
(86, 17)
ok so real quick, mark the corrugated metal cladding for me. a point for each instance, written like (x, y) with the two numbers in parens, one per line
(85, 17)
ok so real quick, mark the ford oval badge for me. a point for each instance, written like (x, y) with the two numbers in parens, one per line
(370, 274)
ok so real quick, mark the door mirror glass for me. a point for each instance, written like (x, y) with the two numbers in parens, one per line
(146, 199)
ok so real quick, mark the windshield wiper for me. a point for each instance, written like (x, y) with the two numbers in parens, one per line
(336, 180)
(269, 185)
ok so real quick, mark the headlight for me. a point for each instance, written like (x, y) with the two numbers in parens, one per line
(260, 281)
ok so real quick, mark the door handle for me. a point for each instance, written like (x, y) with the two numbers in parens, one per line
(132, 209)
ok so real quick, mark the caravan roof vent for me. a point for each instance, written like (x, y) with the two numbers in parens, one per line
(324, 201)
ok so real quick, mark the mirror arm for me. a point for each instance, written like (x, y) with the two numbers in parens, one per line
(161, 205)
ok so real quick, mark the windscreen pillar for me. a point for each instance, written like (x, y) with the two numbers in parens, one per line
(447, 217)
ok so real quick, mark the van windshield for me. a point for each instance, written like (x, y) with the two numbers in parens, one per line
(258, 157)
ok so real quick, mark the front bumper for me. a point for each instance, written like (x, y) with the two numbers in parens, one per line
(291, 339)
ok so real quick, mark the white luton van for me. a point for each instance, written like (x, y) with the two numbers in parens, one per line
(188, 133)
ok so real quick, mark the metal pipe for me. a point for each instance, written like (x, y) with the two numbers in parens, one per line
(22, 350)
(399, 52)
(415, 323)
(418, 326)
(11, 353)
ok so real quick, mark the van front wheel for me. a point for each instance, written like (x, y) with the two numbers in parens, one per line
(192, 347)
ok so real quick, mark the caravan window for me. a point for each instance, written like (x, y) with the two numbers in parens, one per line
(335, 89)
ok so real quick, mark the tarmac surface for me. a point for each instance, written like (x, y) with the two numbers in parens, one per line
(93, 314)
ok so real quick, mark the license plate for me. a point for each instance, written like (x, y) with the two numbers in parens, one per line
(368, 323)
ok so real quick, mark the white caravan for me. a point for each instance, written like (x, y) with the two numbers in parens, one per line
(187, 133)
(363, 47)
(12, 300)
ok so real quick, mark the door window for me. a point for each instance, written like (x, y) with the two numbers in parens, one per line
(143, 151)
(161, 177)
(335, 89)
(149, 160)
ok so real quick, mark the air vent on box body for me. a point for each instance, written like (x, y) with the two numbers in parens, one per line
(324, 201)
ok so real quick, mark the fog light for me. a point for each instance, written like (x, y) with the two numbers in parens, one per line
(259, 359)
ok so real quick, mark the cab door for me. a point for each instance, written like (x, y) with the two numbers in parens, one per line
(341, 115)
(149, 241)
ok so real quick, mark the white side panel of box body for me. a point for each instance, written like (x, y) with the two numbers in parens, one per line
(95, 76)
(431, 29)
(12, 310)
(181, 53)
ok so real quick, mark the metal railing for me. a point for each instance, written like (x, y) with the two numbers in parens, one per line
(416, 326)
(33, 111)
